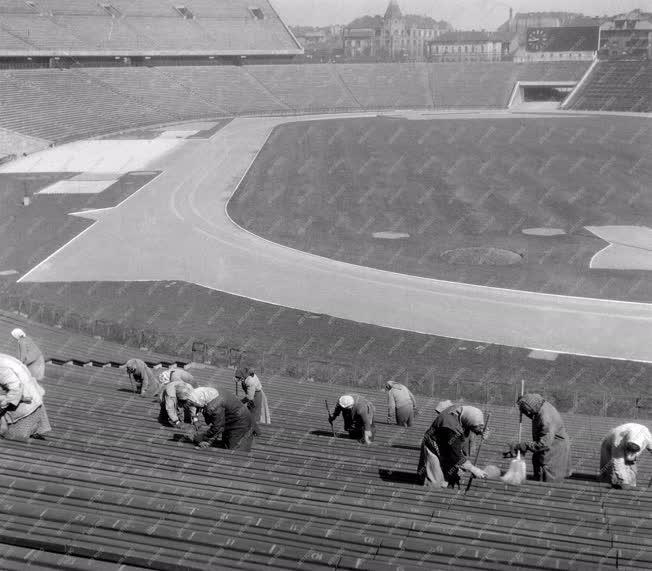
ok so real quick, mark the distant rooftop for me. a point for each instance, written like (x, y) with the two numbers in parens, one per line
(462, 36)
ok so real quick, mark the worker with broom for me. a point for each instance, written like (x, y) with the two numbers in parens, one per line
(443, 449)
(358, 414)
(550, 445)
(620, 451)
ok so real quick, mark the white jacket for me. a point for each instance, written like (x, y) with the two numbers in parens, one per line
(612, 453)
(18, 389)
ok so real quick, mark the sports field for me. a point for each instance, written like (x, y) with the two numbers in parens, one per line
(170, 258)
(439, 187)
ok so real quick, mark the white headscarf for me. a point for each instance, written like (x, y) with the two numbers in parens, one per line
(346, 401)
(201, 396)
(18, 333)
(470, 417)
(443, 405)
(164, 377)
(640, 435)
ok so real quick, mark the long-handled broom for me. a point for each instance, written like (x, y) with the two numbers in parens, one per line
(516, 474)
(477, 452)
(328, 409)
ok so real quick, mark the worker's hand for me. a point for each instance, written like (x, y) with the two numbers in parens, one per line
(515, 447)
(331, 418)
(176, 424)
(203, 444)
(478, 473)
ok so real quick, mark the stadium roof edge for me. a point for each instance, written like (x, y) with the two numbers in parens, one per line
(287, 28)
(146, 53)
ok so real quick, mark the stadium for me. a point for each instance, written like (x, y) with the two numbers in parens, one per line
(177, 189)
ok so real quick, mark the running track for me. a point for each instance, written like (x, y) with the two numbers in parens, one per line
(177, 228)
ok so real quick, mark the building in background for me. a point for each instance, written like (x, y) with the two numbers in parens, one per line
(627, 35)
(469, 46)
(518, 25)
(319, 44)
(558, 44)
(394, 36)
(360, 43)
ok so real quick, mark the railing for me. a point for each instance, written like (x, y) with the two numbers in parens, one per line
(330, 371)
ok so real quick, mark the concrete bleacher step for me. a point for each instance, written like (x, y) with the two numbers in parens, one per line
(297, 497)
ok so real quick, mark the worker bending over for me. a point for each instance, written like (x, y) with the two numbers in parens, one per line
(444, 447)
(620, 451)
(174, 395)
(29, 354)
(400, 402)
(141, 374)
(226, 415)
(358, 414)
(22, 413)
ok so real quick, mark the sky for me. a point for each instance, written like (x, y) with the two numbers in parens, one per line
(462, 14)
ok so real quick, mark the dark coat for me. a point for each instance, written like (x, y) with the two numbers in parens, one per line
(447, 439)
(359, 418)
(227, 415)
(551, 458)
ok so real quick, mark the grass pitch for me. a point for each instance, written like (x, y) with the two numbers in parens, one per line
(327, 187)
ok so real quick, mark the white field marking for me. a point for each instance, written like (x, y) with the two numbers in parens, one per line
(91, 213)
(95, 156)
(640, 246)
(544, 355)
(390, 235)
(544, 232)
(176, 134)
(83, 231)
(77, 187)
(112, 176)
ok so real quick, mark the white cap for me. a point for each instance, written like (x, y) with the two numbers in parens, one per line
(164, 377)
(346, 401)
(203, 395)
(18, 333)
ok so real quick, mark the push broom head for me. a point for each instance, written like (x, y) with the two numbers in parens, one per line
(516, 473)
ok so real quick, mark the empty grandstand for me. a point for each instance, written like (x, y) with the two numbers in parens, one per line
(615, 85)
(83, 29)
(59, 105)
